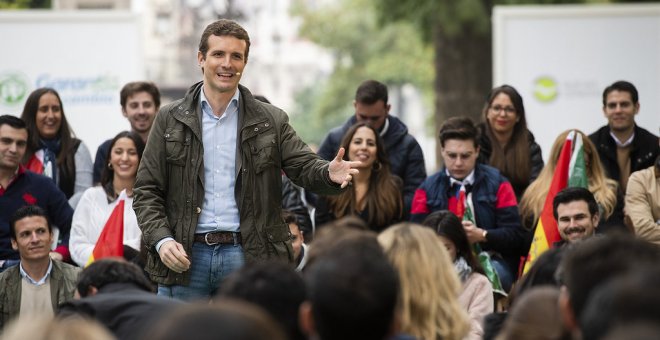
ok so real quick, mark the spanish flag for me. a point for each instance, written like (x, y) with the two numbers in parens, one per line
(111, 240)
(571, 171)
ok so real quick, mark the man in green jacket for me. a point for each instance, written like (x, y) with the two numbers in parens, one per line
(208, 190)
(37, 285)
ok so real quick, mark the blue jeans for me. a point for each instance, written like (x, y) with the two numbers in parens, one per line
(209, 266)
(502, 269)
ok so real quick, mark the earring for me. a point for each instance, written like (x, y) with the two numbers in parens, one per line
(377, 166)
(110, 166)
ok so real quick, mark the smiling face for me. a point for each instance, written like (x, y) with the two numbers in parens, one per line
(124, 159)
(460, 157)
(140, 110)
(223, 64)
(363, 147)
(49, 116)
(620, 110)
(501, 115)
(575, 222)
(33, 239)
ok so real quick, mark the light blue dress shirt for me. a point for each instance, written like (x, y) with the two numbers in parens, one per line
(40, 282)
(219, 210)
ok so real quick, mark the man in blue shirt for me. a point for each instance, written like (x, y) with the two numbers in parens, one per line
(208, 194)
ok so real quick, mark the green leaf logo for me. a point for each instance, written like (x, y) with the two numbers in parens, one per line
(13, 88)
(545, 89)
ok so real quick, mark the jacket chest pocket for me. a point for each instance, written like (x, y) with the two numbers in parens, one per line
(263, 151)
(177, 142)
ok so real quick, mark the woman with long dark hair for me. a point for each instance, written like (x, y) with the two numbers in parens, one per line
(476, 295)
(375, 195)
(97, 203)
(52, 148)
(505, 141)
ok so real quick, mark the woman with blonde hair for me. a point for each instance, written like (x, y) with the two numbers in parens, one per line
(603, 188)
(430, 286)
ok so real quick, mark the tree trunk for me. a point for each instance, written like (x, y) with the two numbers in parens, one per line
(463, 64)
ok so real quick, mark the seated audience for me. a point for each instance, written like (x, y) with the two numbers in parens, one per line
(429, 286)
(603, 188)
(97, 203)
(273, 286)
(19, 187)
(52, 149)
(300, 249)
(405, 155)
(48, 328)
(593, 263)
(118, 295)
(535, 317)
(224, 320)
(543, 272)
(140, 101)
(375, 194)
(352, 289)
(576, 212)
(623, 146)
(505, 141)
(38, 284)
(487, 192)
(643, 202)
(626, 300)
(477, 294)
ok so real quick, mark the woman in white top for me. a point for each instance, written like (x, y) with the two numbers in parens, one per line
(97, 203)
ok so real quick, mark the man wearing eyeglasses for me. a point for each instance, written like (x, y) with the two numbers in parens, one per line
(623, 146)
(405, 154)
(497, 226)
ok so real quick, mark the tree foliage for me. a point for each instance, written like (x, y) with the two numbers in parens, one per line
(24, 4)
(362, 49)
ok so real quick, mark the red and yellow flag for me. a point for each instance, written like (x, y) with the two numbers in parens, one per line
(111, 240)
(569, 165)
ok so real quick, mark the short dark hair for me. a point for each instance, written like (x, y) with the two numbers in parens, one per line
(107, 174)
(622, 86)
(139, 86)
(543, 272)
(461, 128)
(274, 286)
(571, 194)
(224, 27)
(446, 224)
(106, 271)
(24, 212)
(596, 260)
(289, 217)
(12, 121)
(371, 91)
(353, 290)
(625, 300)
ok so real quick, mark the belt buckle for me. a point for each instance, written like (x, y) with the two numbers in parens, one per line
(206, 239)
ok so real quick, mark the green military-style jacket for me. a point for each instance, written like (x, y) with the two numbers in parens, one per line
(169, 190)
(63, 278)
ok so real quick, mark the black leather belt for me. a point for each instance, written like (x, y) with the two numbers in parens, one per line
(219, 237)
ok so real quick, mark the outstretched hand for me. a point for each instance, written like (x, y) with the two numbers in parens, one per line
(341, 171)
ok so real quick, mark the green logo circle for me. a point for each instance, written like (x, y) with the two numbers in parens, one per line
(13, 88)
(545, 89)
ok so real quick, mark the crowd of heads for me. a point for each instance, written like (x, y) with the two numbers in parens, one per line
(363, 282)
